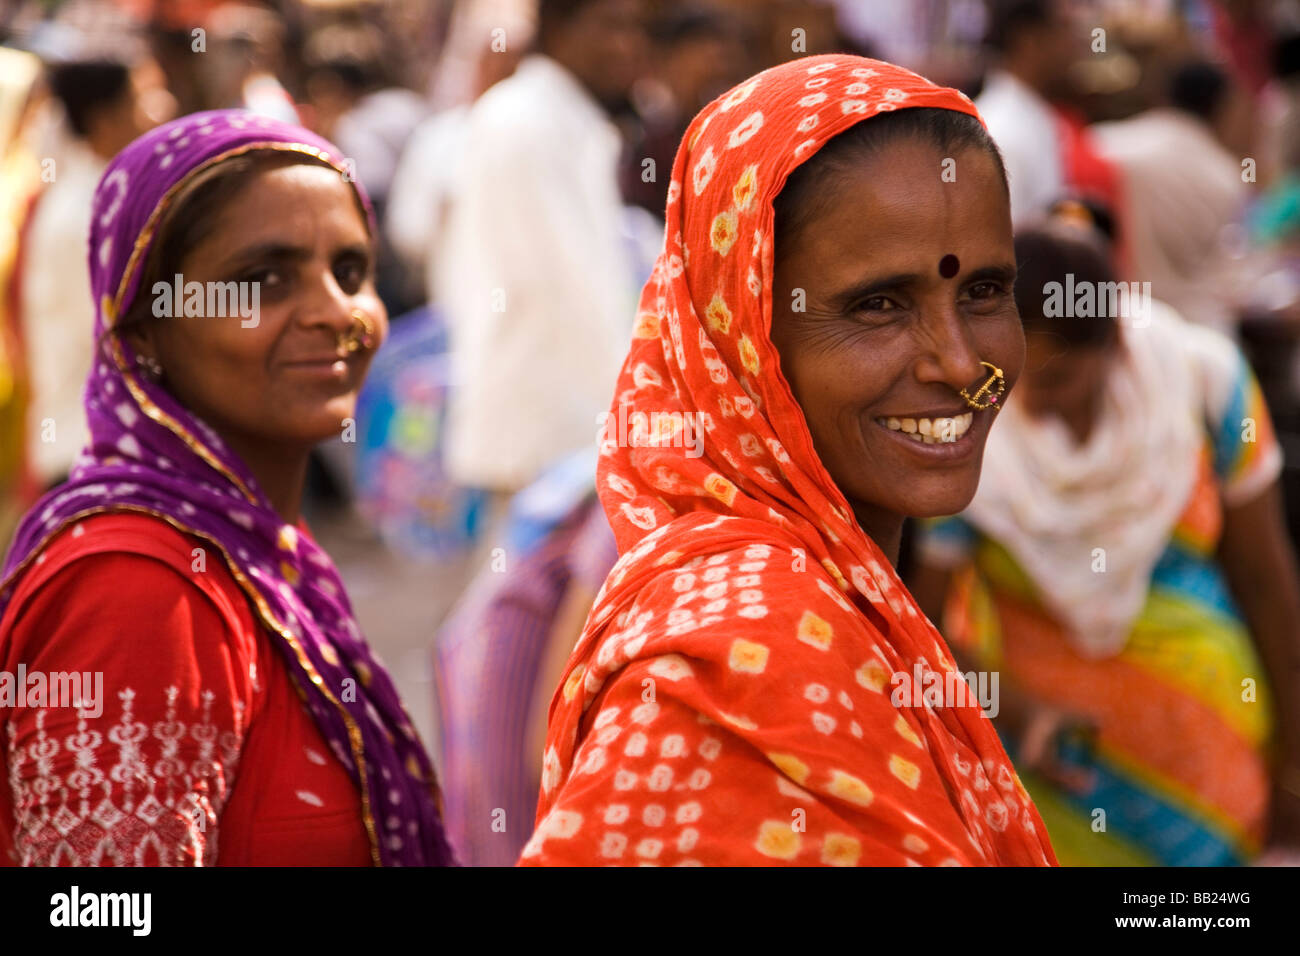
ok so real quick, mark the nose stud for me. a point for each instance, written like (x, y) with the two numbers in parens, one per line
(992, 388)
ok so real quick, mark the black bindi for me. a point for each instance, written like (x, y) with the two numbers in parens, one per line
(949, 265)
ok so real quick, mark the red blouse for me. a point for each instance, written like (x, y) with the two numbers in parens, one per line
(202, 752)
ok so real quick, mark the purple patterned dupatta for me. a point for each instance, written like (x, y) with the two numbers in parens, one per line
(148, 454)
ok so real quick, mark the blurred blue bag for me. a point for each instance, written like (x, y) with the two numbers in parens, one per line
(402, 488)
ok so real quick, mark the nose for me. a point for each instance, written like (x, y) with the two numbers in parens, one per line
(949, 354)
(327, 306)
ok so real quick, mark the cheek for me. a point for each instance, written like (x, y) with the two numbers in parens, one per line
(1003, 344)
(218, 363)
(835, 385)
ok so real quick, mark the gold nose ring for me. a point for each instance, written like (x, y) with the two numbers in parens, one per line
(993, 388)
(354, 342)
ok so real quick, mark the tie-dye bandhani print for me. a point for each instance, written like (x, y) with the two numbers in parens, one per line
(148, 454)
(729, 701)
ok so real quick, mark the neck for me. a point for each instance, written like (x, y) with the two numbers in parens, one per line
(883, 527)
(281, 472)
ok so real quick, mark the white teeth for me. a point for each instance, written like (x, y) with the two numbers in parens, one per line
(931, 430)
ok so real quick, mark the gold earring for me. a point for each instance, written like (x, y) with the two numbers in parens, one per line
(994, 388)
(149, 367)
(353, 342)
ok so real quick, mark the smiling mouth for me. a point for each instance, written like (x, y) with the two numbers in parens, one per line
(931, 431)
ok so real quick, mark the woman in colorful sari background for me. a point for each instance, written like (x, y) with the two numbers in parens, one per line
(1124, 566)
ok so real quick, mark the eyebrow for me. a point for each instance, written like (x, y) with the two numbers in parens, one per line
(285, 251)
(1004, 272)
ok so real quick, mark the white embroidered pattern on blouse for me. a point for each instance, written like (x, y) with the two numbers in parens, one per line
(151, 808)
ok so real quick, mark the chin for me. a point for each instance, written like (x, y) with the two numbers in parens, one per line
(951, 497)
(333, 414)
(319, 427)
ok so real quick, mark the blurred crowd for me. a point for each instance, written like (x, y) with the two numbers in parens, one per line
(519, 156)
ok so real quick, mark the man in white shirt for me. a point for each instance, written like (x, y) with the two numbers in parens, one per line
(1034, 43)
(536, 279)
(107, 104)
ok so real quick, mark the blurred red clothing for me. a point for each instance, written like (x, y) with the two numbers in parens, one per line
(202, 752)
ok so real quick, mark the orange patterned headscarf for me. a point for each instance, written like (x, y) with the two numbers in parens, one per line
(729, 701)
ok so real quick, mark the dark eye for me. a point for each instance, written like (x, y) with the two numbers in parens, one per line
(351, 271)
(986, 290)
(987, 297)
(876, 303)
(269, 279)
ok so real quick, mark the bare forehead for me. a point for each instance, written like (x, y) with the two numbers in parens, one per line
(287, 198)
(290, 180)
(904, 194)
(912, 169)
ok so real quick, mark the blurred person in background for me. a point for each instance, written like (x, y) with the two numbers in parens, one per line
(538, 285)
(431, 166)
(502, 652)
(355, 102)
(174, 561)
(1034, 43)
(351, 100)
(1124, 566)
(1185, 197)
(240, 64)
(106, 104)
(20, 184)
(699, 52)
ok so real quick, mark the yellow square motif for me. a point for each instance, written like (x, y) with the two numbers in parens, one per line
(850, 788)
(778, 840)
(839, 849)
(791, 766)
(905, 771)
(872, 675)
(815, 631)
(748, 657)
(571, 685)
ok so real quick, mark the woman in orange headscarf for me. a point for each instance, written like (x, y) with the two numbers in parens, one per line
(819, 353)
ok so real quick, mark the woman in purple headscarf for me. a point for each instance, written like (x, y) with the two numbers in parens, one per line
(182, 681)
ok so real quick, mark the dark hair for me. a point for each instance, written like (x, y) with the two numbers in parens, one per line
(554, 14)
(1008, 19)
(1049, 253)
(1198, 87)
(85, 86)
(803, 197)
(687, 22)
(354, 55)
(191, 218)
(1286, 56)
